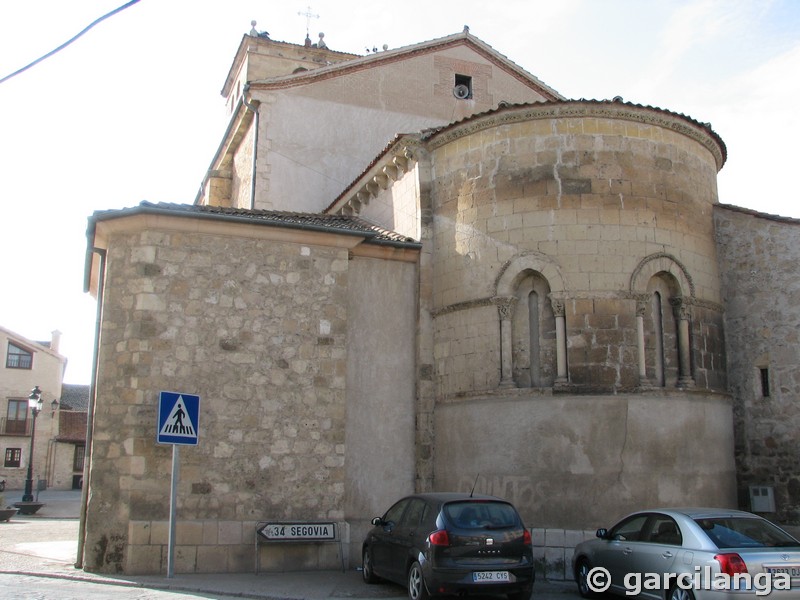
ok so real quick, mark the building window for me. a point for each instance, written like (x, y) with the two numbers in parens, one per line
(77, 460)
(764, 382)
(17, 417)
(18, 358)
(463, 87)
(13, 457)
(533, 333)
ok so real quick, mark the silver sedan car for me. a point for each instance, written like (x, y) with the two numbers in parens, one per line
(690, 553)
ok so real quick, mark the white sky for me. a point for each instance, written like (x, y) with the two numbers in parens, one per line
(132, 110)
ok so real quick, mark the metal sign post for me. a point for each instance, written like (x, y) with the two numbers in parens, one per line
(172, 501)
(178, 424)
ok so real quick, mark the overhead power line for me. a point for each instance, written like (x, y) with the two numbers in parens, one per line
(68, 42)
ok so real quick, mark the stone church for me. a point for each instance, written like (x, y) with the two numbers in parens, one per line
(425, 269)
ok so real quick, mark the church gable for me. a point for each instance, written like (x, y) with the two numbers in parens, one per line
(294, 138)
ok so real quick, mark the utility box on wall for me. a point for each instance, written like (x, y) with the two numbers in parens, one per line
(762, 499)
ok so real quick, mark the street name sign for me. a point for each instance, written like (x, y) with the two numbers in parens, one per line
(295, 531)
(178, 418)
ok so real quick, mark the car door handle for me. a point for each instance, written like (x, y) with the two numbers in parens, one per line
(627, 551)
(667, 554)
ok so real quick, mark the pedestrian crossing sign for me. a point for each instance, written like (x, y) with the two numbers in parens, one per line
(178, 418)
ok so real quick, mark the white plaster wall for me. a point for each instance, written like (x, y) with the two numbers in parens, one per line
(316, 138)
(397, 208)
(580, 462)
(380, 455)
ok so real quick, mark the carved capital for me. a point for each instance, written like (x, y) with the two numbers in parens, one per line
(505, 307)
(681, 308)
(559, 308)
(643, 303)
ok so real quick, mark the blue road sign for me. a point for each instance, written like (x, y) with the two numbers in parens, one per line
(178, 418)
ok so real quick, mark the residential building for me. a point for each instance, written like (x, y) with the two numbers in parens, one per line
(60, 434)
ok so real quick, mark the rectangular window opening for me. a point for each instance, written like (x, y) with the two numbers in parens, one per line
(18, 358)
(764, 382)
(77, 459)
(16, 422)
(13, 457)
(463, 87)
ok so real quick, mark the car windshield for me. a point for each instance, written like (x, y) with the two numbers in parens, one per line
(481, 515)
(728, 532)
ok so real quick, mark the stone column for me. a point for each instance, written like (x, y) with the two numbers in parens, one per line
(642, 304)
(682, 311)
(505, 308)
(561, 340)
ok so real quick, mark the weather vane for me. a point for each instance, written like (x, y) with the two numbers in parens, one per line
(308, 15)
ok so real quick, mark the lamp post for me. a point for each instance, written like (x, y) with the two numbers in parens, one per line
(35, 404)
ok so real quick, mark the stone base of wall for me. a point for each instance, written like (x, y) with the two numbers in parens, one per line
(553, 550)
(227, 547)
(231, 546)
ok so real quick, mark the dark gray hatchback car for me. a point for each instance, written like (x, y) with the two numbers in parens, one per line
(451, 543)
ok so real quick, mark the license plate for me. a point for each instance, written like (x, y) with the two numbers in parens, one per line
(791, 570)
(489, 576)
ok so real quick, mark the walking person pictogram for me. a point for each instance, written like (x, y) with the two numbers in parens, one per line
(178, 426)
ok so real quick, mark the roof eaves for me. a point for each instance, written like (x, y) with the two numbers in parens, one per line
(304, 221)
(317, 222)
(758, 214)
(400, 139)
(433, 132)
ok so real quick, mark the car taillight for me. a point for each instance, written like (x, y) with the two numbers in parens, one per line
(439, 538)
(526, 537)
(731, 563)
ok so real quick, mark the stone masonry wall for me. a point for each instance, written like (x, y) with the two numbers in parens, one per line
(593, 202)
(257, 328)
(759, 256)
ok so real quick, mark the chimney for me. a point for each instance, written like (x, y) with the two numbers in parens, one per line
(55, 341)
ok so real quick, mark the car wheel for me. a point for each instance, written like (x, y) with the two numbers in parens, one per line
(416, 584)
(582, 578)
(677, 593)
(366, 567)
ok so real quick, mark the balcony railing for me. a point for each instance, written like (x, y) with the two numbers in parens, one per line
(15, 427)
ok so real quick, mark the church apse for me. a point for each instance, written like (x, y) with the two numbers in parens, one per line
(577, 321)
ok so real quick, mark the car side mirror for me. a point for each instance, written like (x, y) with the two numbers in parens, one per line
(602, 533)
(377, 521)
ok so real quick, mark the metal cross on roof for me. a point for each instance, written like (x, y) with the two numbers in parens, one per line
(308, 15)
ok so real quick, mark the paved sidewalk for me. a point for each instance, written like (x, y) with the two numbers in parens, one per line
(45, 545)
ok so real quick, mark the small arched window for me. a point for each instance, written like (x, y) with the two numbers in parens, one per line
(534, 350)
(661, 331)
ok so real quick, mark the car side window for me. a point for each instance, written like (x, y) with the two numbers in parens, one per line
(629, 530)
(413, 515)
(664, 530)
(393, 515)
(429, 517)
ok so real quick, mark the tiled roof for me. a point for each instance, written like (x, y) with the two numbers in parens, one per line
(74, 397)
(332, 223)
(759, 214)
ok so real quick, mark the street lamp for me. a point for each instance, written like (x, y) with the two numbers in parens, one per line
(35, 404)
